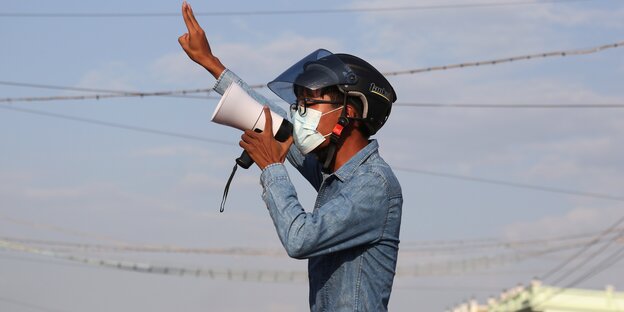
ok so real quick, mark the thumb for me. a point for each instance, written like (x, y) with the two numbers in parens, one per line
(183, 39)
(288, 142)
(268, 121)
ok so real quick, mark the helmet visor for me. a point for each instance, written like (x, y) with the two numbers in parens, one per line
(318, 70)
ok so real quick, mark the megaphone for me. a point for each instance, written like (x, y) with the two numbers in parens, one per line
(239, 110)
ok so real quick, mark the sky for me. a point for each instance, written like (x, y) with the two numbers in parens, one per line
(64, 180)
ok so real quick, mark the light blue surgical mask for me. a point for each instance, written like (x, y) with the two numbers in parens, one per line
(305, 135)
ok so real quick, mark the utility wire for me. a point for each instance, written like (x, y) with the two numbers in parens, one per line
(299, 12)
(434, 245)
(564, 53)
(581, 251)
(512, 184)
(29, 305)
(116, 125)
(62, 230)
(606, 263)
(176, 93)
(428, 269)
(547, 106)
(412, 170)
(105, 94)
(65, 246)
(395, 73)
(99, 97)
(591, 257)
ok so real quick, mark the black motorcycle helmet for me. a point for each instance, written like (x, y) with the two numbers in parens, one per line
(362, 84)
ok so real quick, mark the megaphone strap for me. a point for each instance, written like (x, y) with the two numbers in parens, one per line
(227, 188)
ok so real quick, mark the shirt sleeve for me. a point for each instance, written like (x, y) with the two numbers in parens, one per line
(356, 216)
(307, 165)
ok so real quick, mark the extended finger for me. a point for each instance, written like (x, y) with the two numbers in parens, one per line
(187, 19)
(268, 121)
(192, 17)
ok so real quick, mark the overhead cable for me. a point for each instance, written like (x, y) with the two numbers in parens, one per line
(509, 59)
(603, 265)
(395, 73)
(590, 244)
(116, 125)
(591, 257)
(398, 168)
(297, 12)
(178, 94)
(426, 269)
(29, 305)
(512, 184)
(121, 93)
(64, 246)
(547, 106)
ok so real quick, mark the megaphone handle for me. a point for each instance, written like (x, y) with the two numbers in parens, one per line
(244, 161)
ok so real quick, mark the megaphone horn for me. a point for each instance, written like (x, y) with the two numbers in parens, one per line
(239, 110)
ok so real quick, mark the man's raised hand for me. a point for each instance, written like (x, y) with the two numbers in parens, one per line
(196, 45)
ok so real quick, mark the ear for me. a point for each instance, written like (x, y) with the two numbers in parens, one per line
(351, 111)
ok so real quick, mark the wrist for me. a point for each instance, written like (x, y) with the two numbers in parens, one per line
(213, 65)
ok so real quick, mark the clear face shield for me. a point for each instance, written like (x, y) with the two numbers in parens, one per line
(318, 70)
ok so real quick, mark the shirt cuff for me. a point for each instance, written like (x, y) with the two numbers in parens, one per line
(272, 173)
(225, 80)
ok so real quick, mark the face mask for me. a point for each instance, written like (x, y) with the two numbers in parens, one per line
(305, 136)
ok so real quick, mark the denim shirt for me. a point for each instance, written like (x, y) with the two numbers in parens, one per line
(351, 238)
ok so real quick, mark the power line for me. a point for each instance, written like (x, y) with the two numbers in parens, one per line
(412, 170)
(547, 106)
(564, 53)
(591, 257)
(100, 97)
(606, 263)
(28, 305)
(580, 252)
(116, 125)
(511, 184)
(109, 93)
(175, 93)
(104, 93)
(418, 246)
(395, 73)
(65, 246)
(296, 12)
(429, 269)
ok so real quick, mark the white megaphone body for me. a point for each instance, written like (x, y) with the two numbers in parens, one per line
(239, 110)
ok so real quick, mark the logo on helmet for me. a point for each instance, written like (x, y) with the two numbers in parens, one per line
(380, 91)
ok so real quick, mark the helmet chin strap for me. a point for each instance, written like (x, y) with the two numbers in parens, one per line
(335, 137)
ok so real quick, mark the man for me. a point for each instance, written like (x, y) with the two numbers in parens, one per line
(351, 237)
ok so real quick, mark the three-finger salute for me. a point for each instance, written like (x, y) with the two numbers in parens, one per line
(196, 45)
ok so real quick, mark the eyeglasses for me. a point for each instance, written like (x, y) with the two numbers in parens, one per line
(302, 105)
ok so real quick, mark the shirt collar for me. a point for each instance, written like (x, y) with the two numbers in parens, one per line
(348, 169)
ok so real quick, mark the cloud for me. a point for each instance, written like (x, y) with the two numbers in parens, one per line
(115, 75)
(177, 69)
(186, 211)
(575, 221)
(570, 16)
